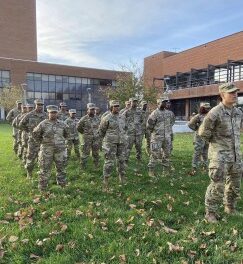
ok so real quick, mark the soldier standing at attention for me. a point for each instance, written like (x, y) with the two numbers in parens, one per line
(88, 126)
(10, 117)
(15, 124)
(145, 112)
(63, 113)
(127, 106)
(73, 139)
(168, 107)
(221, 128)
(28, 123)
(200, 145)
(134, 123)
(159, 125)
(112, 129)
(98, 115)
(51, 135)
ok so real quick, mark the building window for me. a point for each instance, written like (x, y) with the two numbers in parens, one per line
(4, 78)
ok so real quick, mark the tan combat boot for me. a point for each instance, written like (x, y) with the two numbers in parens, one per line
(229, 210)
(211, 217)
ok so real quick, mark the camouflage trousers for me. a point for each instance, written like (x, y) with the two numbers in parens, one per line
(15, 140)
(73, 143)
(47, 155)
(225, 184)
(113, 152)
(24, 143)
(90, 144)
(200, 155)
(32, 154)
(136, 140)
(20, 146)
(160, 149)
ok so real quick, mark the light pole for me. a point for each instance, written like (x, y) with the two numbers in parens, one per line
(89, 94)
(24, 86)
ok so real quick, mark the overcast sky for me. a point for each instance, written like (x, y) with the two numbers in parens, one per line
(108, 33)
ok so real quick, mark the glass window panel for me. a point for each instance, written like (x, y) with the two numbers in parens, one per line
(95, 81)
(60, 96)
(78, 80)
(44, 86)
(72, 88)
(5, 81)
(44, 77)
(65, 79)
(37, 76)
(59, 87)
(52, 78)
(65, 88)
(72, 96)
(37, 95)
(52, 87)
(44, 95)
(65, 96)
(5, 74)
(30, 75)
(52, 96)
(30, 85)
(30, 95)
(37, 86)
(58, 78)
(71, 79)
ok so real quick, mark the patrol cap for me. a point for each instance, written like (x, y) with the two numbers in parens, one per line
(114, 103)
(228, 88)
(63, 104)
(144, 103)
(90, 106)
(52, 108)
(72, 111)
(39, 101)
(204, 104)
(18, 102)
(162, 99)
(132, 99)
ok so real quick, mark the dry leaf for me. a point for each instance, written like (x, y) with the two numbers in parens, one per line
(186, 203)
(59, 248)
(192, 253)
(137, 252)
(36, 200)
(90, 236)
(119, 221)
(25, 241)
(203, 246)
(72, 244)
(210, 233)
(2, 252)
(122, 259)
(150, 222)
(13, 239)
(169, 207)
(175, 248)
(63, 227)
(34, 257)
(169, 230)
(132, 206)
(235, 232)
(130, 227)
(113, 257)
(39, 242)
(130, 219)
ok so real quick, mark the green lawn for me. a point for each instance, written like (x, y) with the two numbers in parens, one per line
(144, 221)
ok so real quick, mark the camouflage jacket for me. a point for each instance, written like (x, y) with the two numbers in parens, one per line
(134, 121)
(52, 133)
(160, 124)
(123, 110)
(105, 114)
(195, 122)
(17, 120)
(12, 114)
(72, 125)
(145, 118)
(221, 128)
(88, 126)
(62, 115)
(112, 129)
(31, 120)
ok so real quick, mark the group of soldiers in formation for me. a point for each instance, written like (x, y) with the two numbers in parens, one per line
(50, 137)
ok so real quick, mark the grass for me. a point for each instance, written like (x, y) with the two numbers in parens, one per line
(131, 224)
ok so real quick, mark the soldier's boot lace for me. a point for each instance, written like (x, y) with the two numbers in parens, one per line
(211, 217)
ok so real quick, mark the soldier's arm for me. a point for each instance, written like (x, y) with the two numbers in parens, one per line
(151, 122)
(9, 116)
(66, 131)
(23, 124)
(103, 127)
(38, 133)
(15, 122)
(207, 127)
(194, 123)
(80, 126)
(172, 118)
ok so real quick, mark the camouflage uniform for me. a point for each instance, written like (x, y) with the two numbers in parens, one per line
(128, 105)
(15, 124)
(10, 117)
(134, 123)
(88, 127)
(73, 139)
(98, 115)
(172, 119)
(51, 135)
(159, 124)
(112, 129)
(221, 128)
(63, 113)
(105, 114)
(146, 133)
(28, 123)
(200, 145)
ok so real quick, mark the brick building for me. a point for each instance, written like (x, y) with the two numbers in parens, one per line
(54, 83)
(193, 75)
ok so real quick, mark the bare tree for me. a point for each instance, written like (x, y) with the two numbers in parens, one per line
(9, 95)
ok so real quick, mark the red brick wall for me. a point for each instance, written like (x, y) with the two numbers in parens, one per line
(18, 29)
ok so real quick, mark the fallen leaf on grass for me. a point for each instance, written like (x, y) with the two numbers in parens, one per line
(59, 248)
(119, 221)
(132, 206)
(137, 252)
(79, 213)
(90, 236)
(13, 239)
(169, 230)
(122, 258)
(4, 222)
(192, 253)
(63, 227)
(174, 248)
(130, 227)
(169, 207)
(235, 232)
(209, 233)
(150, 222)
(2, 252)
(34, 257)
(72, 244)
(25, 241)
(186, 203)
(39, 242)
(203, 246)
